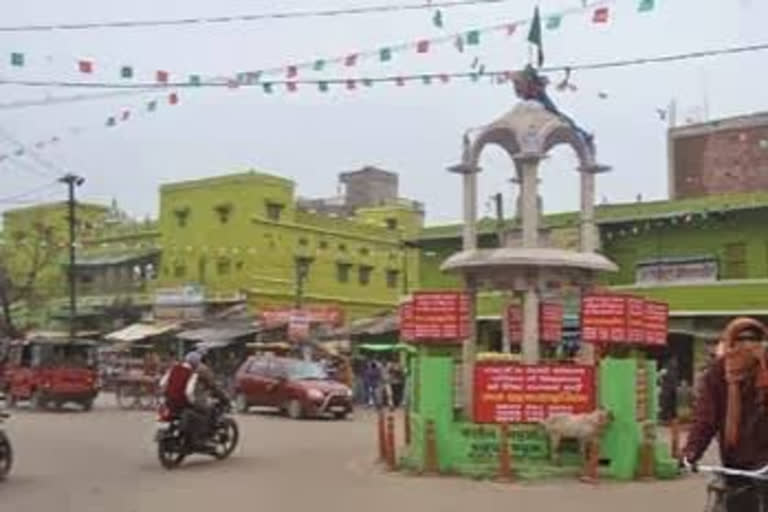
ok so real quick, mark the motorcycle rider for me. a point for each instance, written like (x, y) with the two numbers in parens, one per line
(186, 387)
(732, 404)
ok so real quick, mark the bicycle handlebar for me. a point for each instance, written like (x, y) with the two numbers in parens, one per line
(757, 474)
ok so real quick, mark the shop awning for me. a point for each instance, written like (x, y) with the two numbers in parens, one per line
(373, 347)
(140, 331)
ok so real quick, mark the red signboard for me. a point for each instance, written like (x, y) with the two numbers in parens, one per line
(635, 320)
(515, 393)
(298, 326)
(515, 323)
(406, 321)
(550, 322)
(656, 322)
(440, 316)
(604, 318)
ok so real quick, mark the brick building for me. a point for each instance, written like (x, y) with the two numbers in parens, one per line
(719, 157)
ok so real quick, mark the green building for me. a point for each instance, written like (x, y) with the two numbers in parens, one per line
(706, 257)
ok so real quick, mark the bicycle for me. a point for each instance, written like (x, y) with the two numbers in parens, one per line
(720, 491)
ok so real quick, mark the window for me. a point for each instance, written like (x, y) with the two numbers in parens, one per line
(274, 210)
(392, 278)
(181, 216)
(239, 266)
(342, 272)
(223, 211)
(179, 270)
(392, 224)
(223, 266)
(323, 244)
(303, 242)
(364, 251)
(364, 275)
(735, 261)
(342, 248)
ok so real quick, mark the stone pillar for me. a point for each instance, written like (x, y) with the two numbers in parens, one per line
(527, 169)
(469, 350)
(470, 209)
(588, 234)
(530, 347)
(506, 344)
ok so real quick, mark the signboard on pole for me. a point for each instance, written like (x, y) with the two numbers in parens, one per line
(635, 320)
(604, 318)
(656, 322)
(515, 323)
(515, 393)
(439, 315)
(550, 322)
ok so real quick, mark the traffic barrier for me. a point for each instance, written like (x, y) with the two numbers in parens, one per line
(675, 438)
(382, 437)
(646, 460)
(407, 426)
(430, 448)
(390, 450)
(505, 463)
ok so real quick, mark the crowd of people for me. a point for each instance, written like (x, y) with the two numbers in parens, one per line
(380, 383)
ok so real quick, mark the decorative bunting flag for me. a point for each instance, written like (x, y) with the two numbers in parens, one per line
(161, 77)
(17, 59)
(445, 78)
(111, 121)
(511, 29)
(422, 46)
(194, 80)
(459, 44)
(318, 65)
(437, 19)
(426, 79)
(126, 72)
(233, 84)
(553, 22)
(646, 5)
(18, 152)
(385, 54)
(600, 15)
(173, 98)
(400, 81)
(474, 76)
(267, 86)
(291, 86)
(534, 36)
(126, 115)
(351, 85)
(473, 37)
(85, 66)
(350, 60)
(322, 86)
(292, 71)
(367, 82)
(152, 106)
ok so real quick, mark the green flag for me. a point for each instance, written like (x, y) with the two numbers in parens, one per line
(17, 59)
(267, 87)
(534, 35)
(322, 86)
(318, 65)
(126, 72)
(437, 19)
(152, 106)
(194, 79)
(385, 54)
(473, 37)
(367, 82)
(426, 79)
(646, 5)
(553, 22)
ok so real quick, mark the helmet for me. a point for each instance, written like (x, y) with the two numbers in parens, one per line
(193, 358)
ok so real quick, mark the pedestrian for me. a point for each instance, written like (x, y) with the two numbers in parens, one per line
(669, 383)
(371, 382)
(397, 381)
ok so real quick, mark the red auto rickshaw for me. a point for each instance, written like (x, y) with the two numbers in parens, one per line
(52, 372)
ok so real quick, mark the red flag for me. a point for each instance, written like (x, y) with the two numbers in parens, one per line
(351, 85)
(445, 78)
(85, 66)
(292, 72)
(600, 15)
(173, 98)
(422, 46)
(350, 60)
(126, 115)
(400, 81)
(292, 86)
(162, 77)
(511, 29)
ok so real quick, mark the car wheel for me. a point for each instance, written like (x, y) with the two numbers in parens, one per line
(294, 410)
(241, 403)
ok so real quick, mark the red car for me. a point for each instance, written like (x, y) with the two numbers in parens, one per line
(51, 372)
(298, 388)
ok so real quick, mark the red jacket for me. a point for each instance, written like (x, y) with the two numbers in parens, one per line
(751, 450)
(175, 384)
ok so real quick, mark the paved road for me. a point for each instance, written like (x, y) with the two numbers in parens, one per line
(104, 461)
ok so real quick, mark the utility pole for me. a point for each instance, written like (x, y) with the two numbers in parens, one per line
(72, 181)
(498, 199)
(302, 269)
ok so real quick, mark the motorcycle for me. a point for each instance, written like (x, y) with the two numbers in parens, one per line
(6, 452)
(174, 445)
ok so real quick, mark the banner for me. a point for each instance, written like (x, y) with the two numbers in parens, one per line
(604, 319)
(406, 321)
(635, 320)
(330, 315)
(551, 322)
(442, 315)
(656, 322)
(515, 323)
(515, 393)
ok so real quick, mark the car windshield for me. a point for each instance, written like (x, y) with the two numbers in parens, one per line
(302, 370)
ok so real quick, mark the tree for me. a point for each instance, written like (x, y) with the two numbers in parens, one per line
(23, 259)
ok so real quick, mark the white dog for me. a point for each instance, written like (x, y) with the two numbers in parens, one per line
(585, 428)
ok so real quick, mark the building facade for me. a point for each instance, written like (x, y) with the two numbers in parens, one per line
(720, 157)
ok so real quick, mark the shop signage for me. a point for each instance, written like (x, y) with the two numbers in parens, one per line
(406, 320)
(515, 393)
(298, 326)
(685, 271)
(623, 319)
(436, 316)
(330, 315)
(550, 322)
(184, 303)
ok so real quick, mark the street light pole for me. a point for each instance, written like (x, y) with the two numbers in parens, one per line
(72, 181)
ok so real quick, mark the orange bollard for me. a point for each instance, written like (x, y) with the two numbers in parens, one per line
(675, 438)
(505, 462)
(407, 426)
(391, 455)
(382, 438)
(590, 475)
(430, 448)
(646, 461)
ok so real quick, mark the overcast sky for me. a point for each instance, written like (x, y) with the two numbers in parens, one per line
(413, 130)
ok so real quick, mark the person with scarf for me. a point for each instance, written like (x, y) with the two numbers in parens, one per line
(732, 406)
